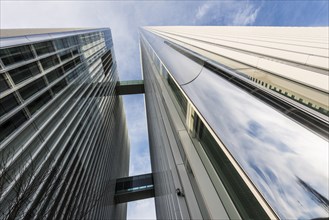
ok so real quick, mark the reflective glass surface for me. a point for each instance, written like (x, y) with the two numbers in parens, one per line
(7, 104)
(183, 68)
(24, 72)
(287, 162)
(44, 48)
(3, 84)
(15, 55)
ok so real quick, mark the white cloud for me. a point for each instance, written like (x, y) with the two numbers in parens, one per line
(246, 16)
(142, 209)
(226, 13)
(202, 10)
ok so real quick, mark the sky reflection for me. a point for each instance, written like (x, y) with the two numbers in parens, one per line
(276, 152)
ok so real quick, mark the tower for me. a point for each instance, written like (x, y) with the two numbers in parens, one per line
(238, 121)
(63, 136)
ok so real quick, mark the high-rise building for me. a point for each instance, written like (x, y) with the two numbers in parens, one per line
(63, 136)
(238, 121)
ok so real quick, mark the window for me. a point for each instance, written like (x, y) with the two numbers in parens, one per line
(59, 86)
(15, 55)
(7, 103)
(44, 48)
(49, 62)
(55, 74)
(77, 61)
(243, 198)
(75, 73)
(75, 51)
(39, 102)
(61, 43)
(22, 73)
(107, 62)
(178, 94)
(65, 42)
(32, 88)
(12, 124)
(68, 66)
(65, 55)
(3, 84)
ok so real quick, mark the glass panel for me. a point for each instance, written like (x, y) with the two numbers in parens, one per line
(15, 55)
(75, 51)
(183, 69)
(39, 102)
(66, 42)
(59, 86)
(278, 154)
(178, 94)
(75, 73)
(3, 84)
(7, 103)
(55, 74)
(44, 48)
(22, 73)
(11, 124)
(49, 62)
(32, 88)
(77, 60)
(243, 199)
(68, 66)
(65, 55)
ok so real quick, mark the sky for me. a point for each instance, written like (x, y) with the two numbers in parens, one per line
(126, 17)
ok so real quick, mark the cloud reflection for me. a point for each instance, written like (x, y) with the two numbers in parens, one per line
(270, 147)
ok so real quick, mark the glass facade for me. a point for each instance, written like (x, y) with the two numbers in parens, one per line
(249, 141)
(61, 131)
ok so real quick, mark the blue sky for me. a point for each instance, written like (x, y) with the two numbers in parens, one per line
(124, 19)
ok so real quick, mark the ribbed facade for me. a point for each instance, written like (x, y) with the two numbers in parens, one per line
(63, 136)
(162, 140)
(238, 121)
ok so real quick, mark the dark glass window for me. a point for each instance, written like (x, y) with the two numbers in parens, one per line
(7, 103)
(65, 55)
(243, 198)
(66, 42)
(3, 84)
(44, 48)
(32, 88)
(178, 94)
(49, 62)
(107, 62)
(75, 51)
(39, 102)
(77, 60)
(22, 73)
(16, 54)
(61, 43)
(68, 66)
(55, 74)
(59, 86)
(11, 125)
(75, 73)
(72, 40)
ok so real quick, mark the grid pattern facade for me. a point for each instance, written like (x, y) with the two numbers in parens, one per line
(170, 167)
(62, 128)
